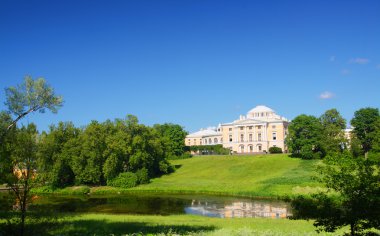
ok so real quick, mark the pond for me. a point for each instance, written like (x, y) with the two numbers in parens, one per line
(158, 204)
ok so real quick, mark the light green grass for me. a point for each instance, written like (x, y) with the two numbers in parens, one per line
(103, 224)
(262, 176)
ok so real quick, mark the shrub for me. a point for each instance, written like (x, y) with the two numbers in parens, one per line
(142, 176)
(275, 150)
(186, 155)
(124, 180)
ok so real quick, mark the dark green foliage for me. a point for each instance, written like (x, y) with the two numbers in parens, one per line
(186, 155)
(210, 149)
(99, 152)
(55, 153)
(124, 180)
(366, 123)
(142, 176)
(356, 181)
(305, 137)
(275, 150)
(6, 140)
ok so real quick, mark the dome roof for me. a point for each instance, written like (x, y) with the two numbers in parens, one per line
(259, 109)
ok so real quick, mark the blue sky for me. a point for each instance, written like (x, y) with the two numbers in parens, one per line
(196, 63)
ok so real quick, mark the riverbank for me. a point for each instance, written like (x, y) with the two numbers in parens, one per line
(265, 176)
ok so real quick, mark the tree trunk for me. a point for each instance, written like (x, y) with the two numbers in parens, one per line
(21, 116)
(23, 208)
(352, 228)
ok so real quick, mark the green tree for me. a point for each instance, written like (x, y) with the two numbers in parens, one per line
(28, 97)
(31, 96)
(305, 137)
(6, 139)
(172, 136)
(54, 164)
(333, 131)
(24, 157)
(352, 198)
(88, 164)
(366, 123)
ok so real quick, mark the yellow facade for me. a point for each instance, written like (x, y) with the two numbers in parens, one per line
(256, 132)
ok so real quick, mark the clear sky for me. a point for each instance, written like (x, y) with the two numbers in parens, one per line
(196, 63)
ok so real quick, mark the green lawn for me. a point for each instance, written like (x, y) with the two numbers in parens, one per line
(264, 176)
(103, 224)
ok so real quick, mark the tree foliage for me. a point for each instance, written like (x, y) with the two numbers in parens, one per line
(333, 139)
(305, 137)
(172, 136)
(31, 96)
(355, 180)
(366, 123)
(210, 149)
(100, 152)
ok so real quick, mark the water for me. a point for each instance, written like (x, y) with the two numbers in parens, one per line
(154, 204)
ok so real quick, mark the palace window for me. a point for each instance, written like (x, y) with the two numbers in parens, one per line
(259, 127)
(241, 128)
(250, 127)
(274, 135)
(273, 126)
(259, 136)
(230, 138)
(205, 141)
(209, 141)
(250, 137)
(215, 140)
(229, 129)
(242, 138)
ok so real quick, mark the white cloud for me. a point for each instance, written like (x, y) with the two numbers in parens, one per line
(332, 58)
(326, 95)
(345, 71)
(361, 61)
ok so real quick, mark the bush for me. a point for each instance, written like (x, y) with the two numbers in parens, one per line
(142, 176)
(186, 155)
(275, 150)
(124, 180)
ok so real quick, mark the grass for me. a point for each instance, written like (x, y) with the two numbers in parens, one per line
(267, 176)
(274, 175)
(104, 224)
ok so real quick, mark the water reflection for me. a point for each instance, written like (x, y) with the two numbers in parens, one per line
(240, 209)
(154, 204)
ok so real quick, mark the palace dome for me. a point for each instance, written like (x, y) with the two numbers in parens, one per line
(260, 108)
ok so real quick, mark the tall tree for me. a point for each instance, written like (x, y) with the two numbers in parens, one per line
(333, 131)
(366, 123)
(305, 136)
(31, 96)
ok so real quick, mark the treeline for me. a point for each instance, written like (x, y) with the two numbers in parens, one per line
(311, 137)
(217, 149)
(120, 153)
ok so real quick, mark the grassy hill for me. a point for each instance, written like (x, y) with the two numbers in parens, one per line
(274, 175)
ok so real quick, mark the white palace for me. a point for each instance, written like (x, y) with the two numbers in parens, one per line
(256, 132)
